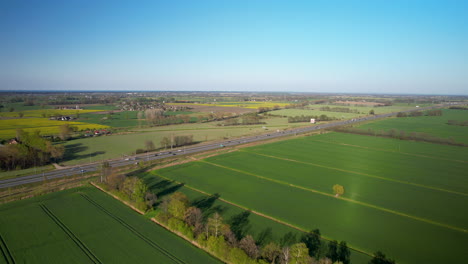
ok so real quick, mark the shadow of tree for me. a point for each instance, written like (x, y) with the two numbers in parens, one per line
(72, 152)
(240, 224)
(265, 236)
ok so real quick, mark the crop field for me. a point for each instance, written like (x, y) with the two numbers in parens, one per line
(405, 198)
(434, 125)
(45, 126)
(45, 113)
(264, 230)
(85, 225)
(116, 119)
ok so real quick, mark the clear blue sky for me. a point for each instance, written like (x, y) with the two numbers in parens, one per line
(378, 46)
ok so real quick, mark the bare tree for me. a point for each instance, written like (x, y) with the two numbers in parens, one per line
(149, 145)
(248, 245)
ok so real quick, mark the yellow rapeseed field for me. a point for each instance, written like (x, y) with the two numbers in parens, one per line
(45, 113)
(45, 126)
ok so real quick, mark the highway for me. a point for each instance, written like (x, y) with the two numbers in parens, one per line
(90, 167)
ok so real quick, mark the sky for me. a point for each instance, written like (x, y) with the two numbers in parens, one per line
(347, 46)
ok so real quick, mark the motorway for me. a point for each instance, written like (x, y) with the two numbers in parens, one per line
(90, 167)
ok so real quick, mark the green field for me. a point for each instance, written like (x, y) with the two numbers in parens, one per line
(407, 201)
(99, 148)
(434, 125)
(117, 119)
(84, 225)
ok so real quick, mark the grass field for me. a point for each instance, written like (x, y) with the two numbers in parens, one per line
(395, 199)
(45, 126)
(117, 119)
(85, 225)
(98, 148)
(434, 125)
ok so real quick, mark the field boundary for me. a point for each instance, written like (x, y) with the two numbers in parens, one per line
(6, 253)
(133, 230)
(359, 173)
(342, 198)
(70, 234)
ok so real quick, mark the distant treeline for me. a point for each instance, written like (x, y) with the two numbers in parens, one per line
(247, 119)
(436, 112)
(457, 123)
(400, 134)
(303, 118)
(339, 109)
(459, 107)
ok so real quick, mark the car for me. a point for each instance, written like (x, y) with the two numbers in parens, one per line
(174, 154)
(82, 171)
(179, 150)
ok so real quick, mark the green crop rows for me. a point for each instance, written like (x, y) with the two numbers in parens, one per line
(86, 226)
(400, 197)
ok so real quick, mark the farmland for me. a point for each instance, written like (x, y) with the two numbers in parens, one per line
(45, 126)
(434, 125)
(97, 230)
(314, 110)
(395, 198)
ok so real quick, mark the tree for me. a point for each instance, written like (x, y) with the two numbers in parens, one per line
(135, 189)
(312, 241)
(106, 170)
(344, 253)
(178, 205)
(271, 252)
(214, 224)
(149, 145)
(150, 199)
(332, 250)
(165, 141)
(371, 112)
(300, 254)
(65, 131)
(248, 245)
(380, 258)
(338, 190)
(20, 114)
(115, 181)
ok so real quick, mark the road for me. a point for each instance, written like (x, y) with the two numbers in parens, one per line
(90, 167)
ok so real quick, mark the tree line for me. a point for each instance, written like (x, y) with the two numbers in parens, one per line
(233, 245)
(28, 150)
(339, 109)
(400, 134)
(303, 118)
(436, 112)
(457, 123)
